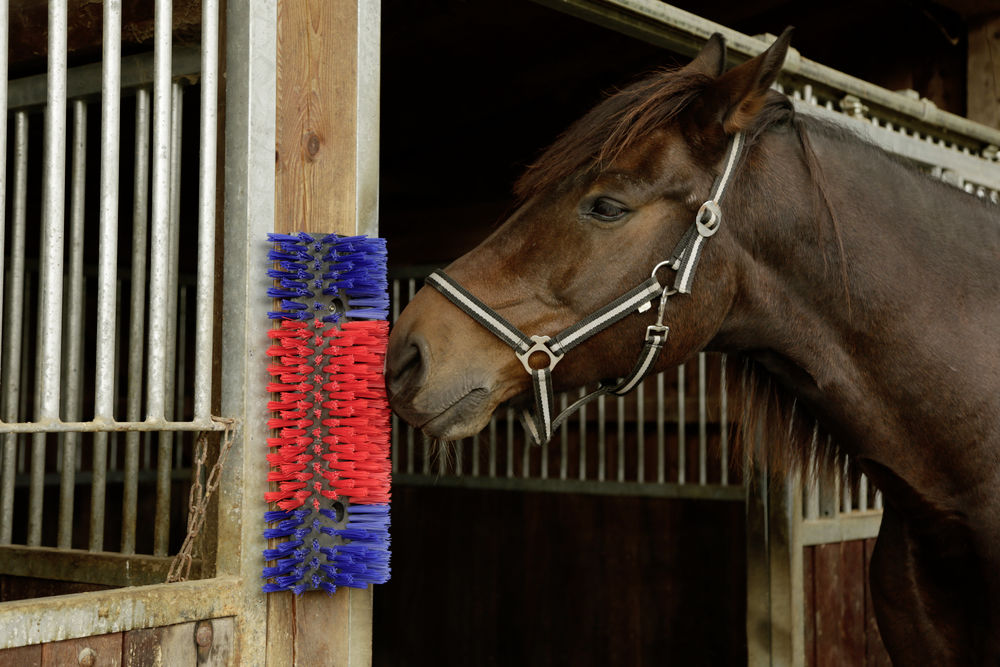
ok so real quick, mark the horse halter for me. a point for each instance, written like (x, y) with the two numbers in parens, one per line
(684, 260)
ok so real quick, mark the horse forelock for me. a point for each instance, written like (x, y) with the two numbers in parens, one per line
(617, 123)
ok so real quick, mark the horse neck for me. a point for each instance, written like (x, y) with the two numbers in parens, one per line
(867, 303)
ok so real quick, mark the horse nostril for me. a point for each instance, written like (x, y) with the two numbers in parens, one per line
(405, 364)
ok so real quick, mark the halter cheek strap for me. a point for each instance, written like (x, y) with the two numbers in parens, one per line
(541, 422)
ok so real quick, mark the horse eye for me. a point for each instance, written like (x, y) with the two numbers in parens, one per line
(607, 210)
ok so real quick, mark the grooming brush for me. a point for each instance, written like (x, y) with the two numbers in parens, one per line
(329, 458)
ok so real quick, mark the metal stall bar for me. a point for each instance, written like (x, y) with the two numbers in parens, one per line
(164, 463)
(49, 335)
(72, 375)
(137, 313)
(702, 421)
(207, 162)
(681, 426)
(3, 151)
(13, 323)
(160, 239)
(723, 423)
(107, 313)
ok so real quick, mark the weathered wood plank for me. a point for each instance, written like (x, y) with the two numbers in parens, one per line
(829, 606)
(315, 179)
(809, 602)
(853, 575)
(75, 565)
(875, 653)
(24, 656)
(982, 89)
(104, 650)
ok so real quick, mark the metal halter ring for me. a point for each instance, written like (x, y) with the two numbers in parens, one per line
(709, 226)
(539, 346)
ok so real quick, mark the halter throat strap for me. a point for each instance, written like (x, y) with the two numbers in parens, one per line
(541, 422)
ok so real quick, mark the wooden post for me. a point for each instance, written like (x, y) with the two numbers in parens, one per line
(775, 591)
(983, 82)
(326, 180)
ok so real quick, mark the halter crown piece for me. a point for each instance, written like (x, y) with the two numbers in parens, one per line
(540, 422)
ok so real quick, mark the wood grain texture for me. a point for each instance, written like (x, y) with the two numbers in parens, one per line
(983, 72)
(24, 656)
(875, 653)
(315, 188)
(107, 651)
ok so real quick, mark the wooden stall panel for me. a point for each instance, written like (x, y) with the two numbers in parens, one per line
(23, 656)
(99, 651)
(197, 643)
(840, 625)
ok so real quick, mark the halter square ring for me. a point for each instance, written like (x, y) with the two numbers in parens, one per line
(539, 346)
(709, 226)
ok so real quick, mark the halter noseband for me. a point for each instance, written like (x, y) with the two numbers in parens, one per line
(684, 260)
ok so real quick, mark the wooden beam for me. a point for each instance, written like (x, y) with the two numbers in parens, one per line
(983, 78)
(326, 146)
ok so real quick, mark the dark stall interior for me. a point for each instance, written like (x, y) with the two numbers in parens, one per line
(471, 92)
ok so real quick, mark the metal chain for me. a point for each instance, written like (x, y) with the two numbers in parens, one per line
(180, 566)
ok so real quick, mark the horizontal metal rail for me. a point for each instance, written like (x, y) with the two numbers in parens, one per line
(136, 71)
(589, 486)
(112, 426)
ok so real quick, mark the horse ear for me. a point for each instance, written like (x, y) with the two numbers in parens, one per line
(711, 60)
(739, 94)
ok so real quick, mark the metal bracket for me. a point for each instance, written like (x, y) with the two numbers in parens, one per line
(539, 346)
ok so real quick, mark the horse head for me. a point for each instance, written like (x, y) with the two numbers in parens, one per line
(603, 206)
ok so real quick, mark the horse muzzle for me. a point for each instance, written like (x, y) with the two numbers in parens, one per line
(430, 386)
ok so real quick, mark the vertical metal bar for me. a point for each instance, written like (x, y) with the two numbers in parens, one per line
(681, 426)
(620, 404)
(458, 457)
(563, 438)
(442, 456)
(526, 460)
(878, 500)
(510, 442)
(847, 503)
(3, 152)
(723, 422)
(22, 401)
(601, 454)
(13, 324)
(181, 356)
(115, 385)
(425, 445)
(108, 254)
(583, 436)
(107, 283)
(49, 335)
(137, 321)
(640, 443)
(475, 455)
(164, 462)
(395, 316)
(494, 445)
(661, 429)
(863, 494)
(702, 421)
(205, 299)
(159, 270)
(72, 371)
(411, 289)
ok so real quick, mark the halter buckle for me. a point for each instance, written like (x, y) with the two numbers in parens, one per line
(710, 224)
(539, 346)
(654, 331)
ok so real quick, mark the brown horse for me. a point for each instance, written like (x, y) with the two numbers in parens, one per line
(866, 293)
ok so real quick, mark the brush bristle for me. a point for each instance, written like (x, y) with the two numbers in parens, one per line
(329, 408)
